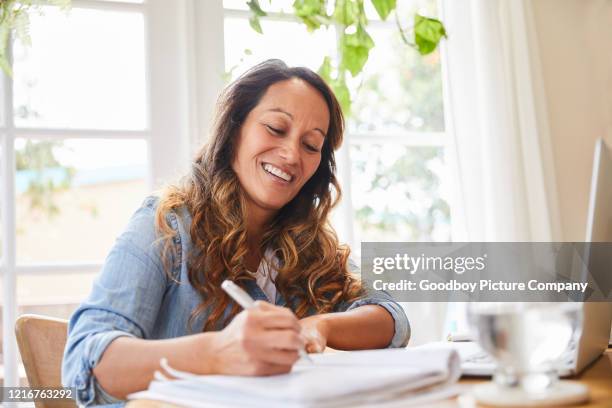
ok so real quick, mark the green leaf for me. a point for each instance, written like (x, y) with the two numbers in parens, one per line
(14, 18)
(256, 12)
(356, 50)
(311, 12)
(354, 58)
(254, 23)
(256, 8)
(346, 12)
(384, 7)
(21, 26)
(427, 33)
(338, 85)
(342, 94)
(325, 70)
(4, 39)
(5, 66)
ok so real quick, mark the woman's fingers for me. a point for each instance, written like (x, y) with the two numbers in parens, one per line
(314, 343)
(263, 368)
(280, 321)
(312, 348)
(275, 317)
(268, 337)
(263, 305)
(281, 340)
(314, 332)
(278, 356)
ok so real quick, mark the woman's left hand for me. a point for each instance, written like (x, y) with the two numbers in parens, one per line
(315, 331)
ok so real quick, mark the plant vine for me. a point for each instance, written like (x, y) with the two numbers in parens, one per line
(15, 23)
(354, 41)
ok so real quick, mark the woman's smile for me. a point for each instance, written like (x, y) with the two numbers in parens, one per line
(277, 174)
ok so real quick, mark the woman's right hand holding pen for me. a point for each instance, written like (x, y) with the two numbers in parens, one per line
(262, 340)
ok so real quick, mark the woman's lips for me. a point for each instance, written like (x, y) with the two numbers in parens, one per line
(270, 169)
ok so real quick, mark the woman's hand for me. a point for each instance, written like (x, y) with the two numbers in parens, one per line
(315, 331)
(263, 340)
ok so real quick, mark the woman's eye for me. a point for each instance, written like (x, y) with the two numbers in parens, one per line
(275, 130)
(311, 148)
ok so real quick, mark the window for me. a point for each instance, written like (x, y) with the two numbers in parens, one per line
(398, 188)
(76, 128)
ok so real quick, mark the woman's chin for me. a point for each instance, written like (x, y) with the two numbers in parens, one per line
(269, 204)
(275, 205)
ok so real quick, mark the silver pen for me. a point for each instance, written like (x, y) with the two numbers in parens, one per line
(247, 302)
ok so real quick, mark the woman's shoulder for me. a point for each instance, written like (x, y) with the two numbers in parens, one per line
(147, 213)
(141, 225)
(143, 231)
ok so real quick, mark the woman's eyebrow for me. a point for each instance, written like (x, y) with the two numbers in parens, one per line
(291, 116)
(281, 111)
(320, 131)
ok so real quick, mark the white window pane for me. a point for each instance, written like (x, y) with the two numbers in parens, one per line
(85, 69)
(2, 100)
(75, 196)
(56, 294)
(2, 373)
(400, 90)
(277, 6)
(404, 7)
(124, 1)
(407, 8)
(303, 48)
(1, 209)
(400, 193)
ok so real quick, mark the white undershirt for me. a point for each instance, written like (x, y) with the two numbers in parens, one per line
(265, 276)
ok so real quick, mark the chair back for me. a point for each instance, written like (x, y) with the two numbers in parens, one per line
(41, 341)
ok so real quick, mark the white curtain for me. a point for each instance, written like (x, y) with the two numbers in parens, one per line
(496, 115)
(500, 152)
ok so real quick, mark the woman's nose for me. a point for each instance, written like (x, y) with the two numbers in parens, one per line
(290, 151)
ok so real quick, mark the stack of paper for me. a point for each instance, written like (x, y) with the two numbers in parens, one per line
(378, 377)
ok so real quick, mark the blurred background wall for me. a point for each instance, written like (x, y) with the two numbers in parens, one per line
(575, 47)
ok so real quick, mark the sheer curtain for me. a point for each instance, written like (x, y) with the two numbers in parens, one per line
(501, 152)
(497, 112)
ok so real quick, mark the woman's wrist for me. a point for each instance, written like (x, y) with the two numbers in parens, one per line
(323, 324)
(202, 357)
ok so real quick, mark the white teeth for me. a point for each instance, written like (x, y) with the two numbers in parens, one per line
(277, 172)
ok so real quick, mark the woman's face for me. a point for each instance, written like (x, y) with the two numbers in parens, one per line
(279, 144)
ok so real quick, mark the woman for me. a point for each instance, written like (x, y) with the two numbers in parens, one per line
(254, 209)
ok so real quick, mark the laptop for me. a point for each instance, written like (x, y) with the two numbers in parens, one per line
(597, 319)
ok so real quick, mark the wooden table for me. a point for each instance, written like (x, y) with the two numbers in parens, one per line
(598, 377)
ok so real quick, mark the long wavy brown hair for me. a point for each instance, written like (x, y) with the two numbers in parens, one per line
(312, 274)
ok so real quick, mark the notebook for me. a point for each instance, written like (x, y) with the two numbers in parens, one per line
(343, 379)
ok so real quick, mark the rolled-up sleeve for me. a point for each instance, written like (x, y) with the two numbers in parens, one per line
(124, 301)
(383, 299)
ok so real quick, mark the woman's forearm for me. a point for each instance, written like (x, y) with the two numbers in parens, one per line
(128, 364)
(365, 327)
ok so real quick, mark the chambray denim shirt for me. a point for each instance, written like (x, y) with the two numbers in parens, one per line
(133, 296)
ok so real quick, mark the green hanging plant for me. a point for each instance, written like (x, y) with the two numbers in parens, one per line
(15, 23)
(354, 43)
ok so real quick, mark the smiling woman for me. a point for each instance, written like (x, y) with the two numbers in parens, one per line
(257, 199)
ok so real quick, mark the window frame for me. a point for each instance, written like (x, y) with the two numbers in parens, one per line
(166, 105)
